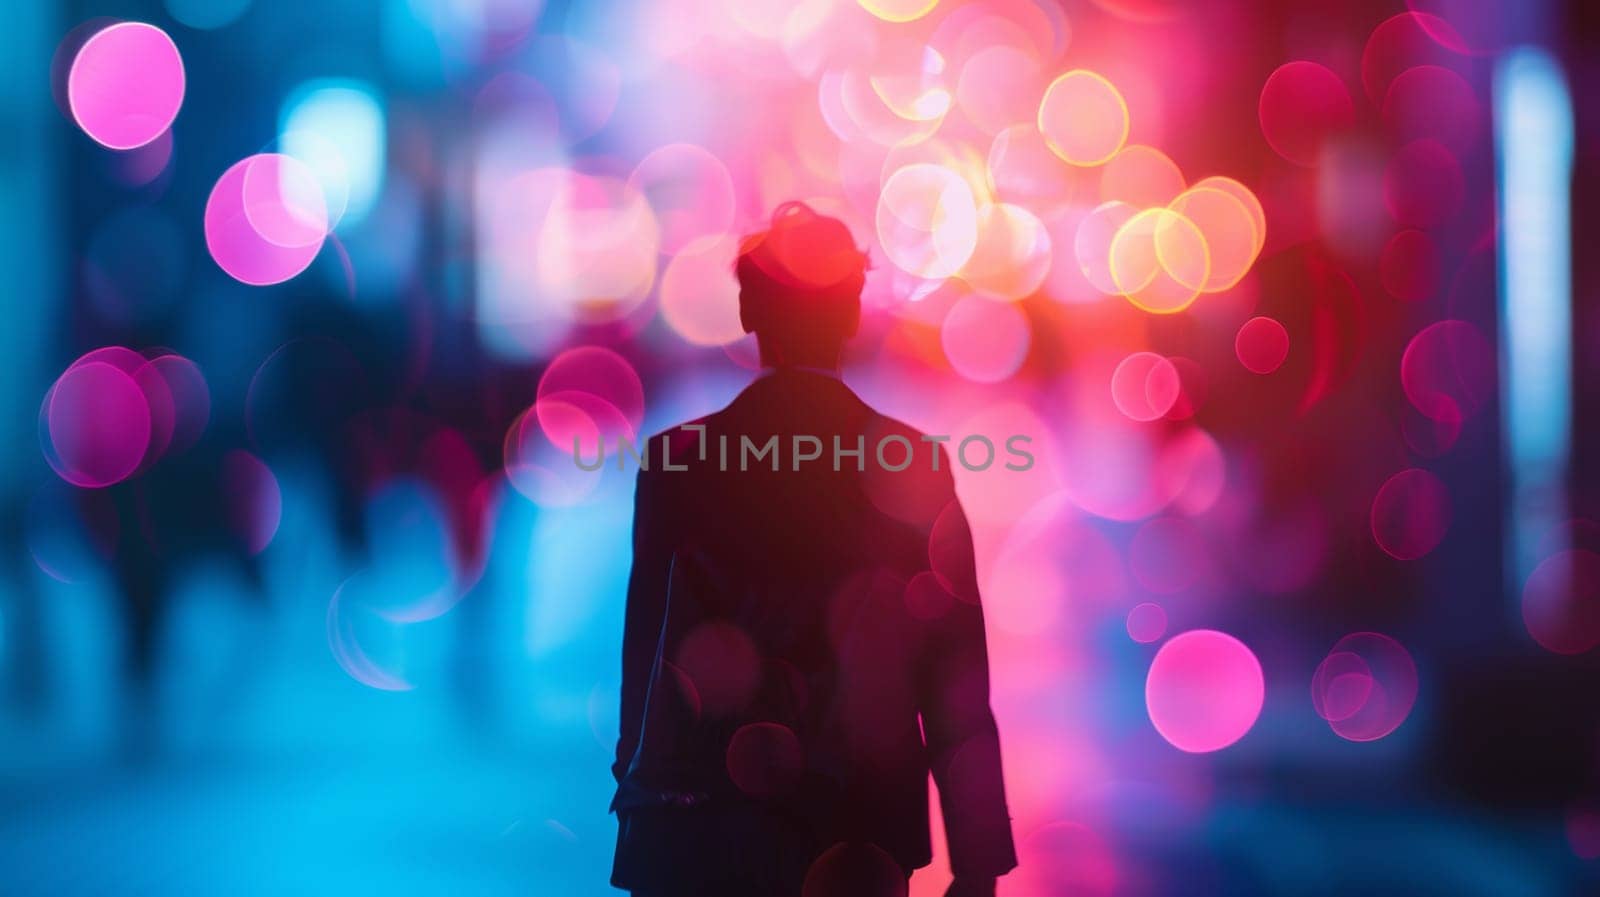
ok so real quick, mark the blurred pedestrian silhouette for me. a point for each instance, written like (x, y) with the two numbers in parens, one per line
(803, 640)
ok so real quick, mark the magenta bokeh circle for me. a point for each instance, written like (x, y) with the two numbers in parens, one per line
(126, 85)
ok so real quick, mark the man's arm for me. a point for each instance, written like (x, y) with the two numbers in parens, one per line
(647, 595)
(963, 741)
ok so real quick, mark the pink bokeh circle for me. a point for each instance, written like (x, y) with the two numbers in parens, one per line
(1147, 622)
(1423, 185)
(1066, 858)
(1448, 370)
(253, 499)
(1433, 101)
(1144, 386)
(765, 759)
(1303, 105)
(856, 868)
(191, 399)
(692, 195)
(126, 85)
(1409, 266)
(1400, 43)
(590, 393)
(1410, 514)
(96, 424)
(1341, 686)
(1365, 687)
(539, 470)
(985, 341)
(265, 220)
(1561, 602)
(1261, 345)
(1204, 691)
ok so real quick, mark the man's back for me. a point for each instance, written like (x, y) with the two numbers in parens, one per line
(803, 644)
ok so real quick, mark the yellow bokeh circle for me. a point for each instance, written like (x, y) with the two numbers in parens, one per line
(1083, 118)
(1160, 261)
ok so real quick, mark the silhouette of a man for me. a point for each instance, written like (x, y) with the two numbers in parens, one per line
(803, 641)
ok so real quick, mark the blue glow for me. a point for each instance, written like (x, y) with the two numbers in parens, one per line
(337, 128)
(1534, 148)
(207, 14)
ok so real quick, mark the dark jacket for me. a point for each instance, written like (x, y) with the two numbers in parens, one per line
(802, 647)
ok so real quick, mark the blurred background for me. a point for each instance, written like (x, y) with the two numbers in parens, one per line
(310, 302)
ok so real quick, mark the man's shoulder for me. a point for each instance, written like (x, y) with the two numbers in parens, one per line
(680, 445)
(682, 434)
(887, 426)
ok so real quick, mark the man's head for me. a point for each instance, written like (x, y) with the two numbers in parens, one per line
(800, 286)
